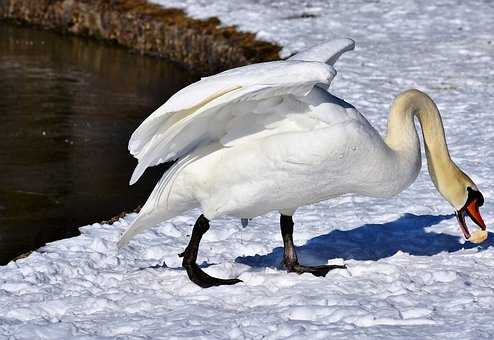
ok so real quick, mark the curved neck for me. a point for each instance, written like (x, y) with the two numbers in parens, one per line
(415, 103)
(400, 127)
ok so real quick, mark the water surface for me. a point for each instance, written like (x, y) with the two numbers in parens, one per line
(68, 106)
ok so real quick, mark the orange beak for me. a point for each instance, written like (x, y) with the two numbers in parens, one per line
(471, 208)
(473, 212)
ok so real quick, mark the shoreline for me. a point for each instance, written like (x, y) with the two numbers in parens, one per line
(200, 46)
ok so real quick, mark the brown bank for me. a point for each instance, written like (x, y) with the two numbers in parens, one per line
(201, 46)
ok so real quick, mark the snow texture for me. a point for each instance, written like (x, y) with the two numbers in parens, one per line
(409, 273)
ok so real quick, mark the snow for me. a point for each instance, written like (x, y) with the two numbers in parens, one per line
(410, 275)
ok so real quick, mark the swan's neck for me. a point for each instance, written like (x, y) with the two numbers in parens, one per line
(402, 136)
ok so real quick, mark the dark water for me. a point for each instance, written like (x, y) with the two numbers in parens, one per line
(68, 106)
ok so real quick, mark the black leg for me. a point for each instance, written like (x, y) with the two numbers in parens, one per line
(290, 256)
(195, 273)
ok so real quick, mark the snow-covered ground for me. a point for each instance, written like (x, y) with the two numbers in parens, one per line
(409, 273)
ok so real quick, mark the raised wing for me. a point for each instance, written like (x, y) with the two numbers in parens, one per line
(206, 111)
(326, 53)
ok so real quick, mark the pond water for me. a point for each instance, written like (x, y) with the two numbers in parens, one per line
(68, 106)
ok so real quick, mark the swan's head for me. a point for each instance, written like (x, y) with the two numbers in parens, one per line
(462, 193)
(453, 184)
(473, 201)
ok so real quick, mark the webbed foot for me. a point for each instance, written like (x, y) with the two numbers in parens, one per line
(196, 274)
(290, 255)
(202, 279)
(314, 270)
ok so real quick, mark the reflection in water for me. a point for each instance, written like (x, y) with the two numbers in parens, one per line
(68, 107)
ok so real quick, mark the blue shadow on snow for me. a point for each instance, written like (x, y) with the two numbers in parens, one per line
(373, 242)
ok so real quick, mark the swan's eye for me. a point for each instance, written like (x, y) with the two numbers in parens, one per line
(475, 195)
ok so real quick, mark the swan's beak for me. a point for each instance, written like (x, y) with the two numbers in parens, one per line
(471, 208)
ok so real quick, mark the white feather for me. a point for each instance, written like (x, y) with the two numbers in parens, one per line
(239, 134)
(165, 136)
(326, 53)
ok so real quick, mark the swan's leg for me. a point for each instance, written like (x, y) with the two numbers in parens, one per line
(195, 273)
(290, 256)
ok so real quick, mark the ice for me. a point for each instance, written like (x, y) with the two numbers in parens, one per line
(409, 275)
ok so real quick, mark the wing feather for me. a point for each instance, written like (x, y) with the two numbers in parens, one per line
(326, 53)
(201, 112)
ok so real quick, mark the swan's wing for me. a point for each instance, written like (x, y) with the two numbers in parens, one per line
(326, 53)
(209, 110)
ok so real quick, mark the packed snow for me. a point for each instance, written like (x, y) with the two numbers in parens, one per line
(409, 275)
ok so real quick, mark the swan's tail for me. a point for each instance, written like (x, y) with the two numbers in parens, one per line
(162, 204)
(140, 224)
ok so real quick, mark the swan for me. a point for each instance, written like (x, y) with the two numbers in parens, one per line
(270, 137)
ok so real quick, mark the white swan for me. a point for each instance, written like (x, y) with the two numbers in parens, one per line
(270, 137)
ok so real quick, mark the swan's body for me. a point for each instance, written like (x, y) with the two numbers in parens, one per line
(302, 165)
(270, 137)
